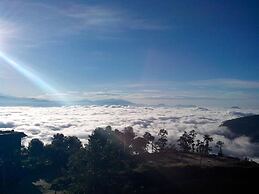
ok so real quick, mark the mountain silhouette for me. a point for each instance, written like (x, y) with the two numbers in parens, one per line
(248, 126)
(19, 101)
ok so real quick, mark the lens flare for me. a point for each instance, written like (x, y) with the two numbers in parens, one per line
(33, 77)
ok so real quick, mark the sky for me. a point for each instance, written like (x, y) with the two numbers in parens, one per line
(170, 52)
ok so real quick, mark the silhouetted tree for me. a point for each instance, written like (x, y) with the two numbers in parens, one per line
(207, 139)
(73, 144)
(150, 139)
(35, 148)
(35, 153)
(200, 146)
(192, 135)
(60, 149)
(128, 136)
(219, 145)
(139, 145)
(187, 141)
(198, 143)
(183, 142)
(162, 140)
(97, 168)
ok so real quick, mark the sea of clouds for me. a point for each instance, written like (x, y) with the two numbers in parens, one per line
(80, 121)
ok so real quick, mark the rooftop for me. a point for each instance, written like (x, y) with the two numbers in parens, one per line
(13, 133)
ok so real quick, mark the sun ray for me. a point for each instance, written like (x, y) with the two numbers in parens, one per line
(33, 77)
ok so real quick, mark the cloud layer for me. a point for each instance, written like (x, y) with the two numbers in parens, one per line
(80, 121)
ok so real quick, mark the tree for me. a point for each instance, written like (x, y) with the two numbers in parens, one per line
(183, 142)
(102, 161)
(60, 150)
(58, 140)
(200, 147)
(187, 141)
(207, 139)
(150, 139)
(36, 155)
(219, 145)
(128, 136)
(139, 145)
(162, 141)
(73, 144)
(192, 135)
(35, 148)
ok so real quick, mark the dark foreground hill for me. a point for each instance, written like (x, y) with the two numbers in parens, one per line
(185, 173)
(116, 161)
(181, 173)
(172, 173)
(248, 126)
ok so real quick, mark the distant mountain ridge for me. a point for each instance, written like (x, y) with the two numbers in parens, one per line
(248, 126)
(19, 101)
(103, 102)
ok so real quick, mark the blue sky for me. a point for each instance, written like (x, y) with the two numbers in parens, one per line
(193, 52)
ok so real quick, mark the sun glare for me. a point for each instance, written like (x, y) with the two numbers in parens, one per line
(33, 77)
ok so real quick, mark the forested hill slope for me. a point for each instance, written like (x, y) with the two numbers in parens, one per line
(248, 126)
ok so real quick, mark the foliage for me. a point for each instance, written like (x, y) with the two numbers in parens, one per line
(102, 161)
(35, 148)
(107, 163)
(128, 136)
(219, 145)
(139, 145)
(150, 140)
(162, 139)
(187, 141)
(207, 139)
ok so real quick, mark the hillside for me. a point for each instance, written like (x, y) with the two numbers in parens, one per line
(183, 173)
(180, 159)
(248, 126)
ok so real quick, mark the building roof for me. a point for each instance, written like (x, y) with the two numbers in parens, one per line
(12, 133)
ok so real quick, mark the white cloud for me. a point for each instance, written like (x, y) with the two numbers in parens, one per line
(107, 19)
(227, 83)
(43, 123)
